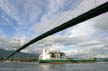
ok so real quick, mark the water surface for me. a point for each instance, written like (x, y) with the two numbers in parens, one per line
(31, 66)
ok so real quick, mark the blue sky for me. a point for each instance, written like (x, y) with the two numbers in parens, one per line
(26, 19)
(20, 15)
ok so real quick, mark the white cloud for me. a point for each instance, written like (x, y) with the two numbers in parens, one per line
(82, 29)
(88, 51)
(82, 40)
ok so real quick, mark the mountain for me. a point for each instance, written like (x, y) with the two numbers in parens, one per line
(5, 53)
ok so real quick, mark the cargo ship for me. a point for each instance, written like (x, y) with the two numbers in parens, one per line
(58, 57)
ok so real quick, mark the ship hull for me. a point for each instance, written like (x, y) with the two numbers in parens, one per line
(65, 61)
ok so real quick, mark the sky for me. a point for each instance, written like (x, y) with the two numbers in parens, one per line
(23, 20)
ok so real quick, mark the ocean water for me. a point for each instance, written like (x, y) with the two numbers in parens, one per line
(32, 66)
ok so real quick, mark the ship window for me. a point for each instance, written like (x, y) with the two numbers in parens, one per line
(53, 55)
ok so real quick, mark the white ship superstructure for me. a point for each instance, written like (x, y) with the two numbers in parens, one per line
(52, 55)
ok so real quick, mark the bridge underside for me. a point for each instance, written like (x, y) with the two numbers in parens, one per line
(88, 15)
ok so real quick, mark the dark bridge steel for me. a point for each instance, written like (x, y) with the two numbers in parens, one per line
(90, 14)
